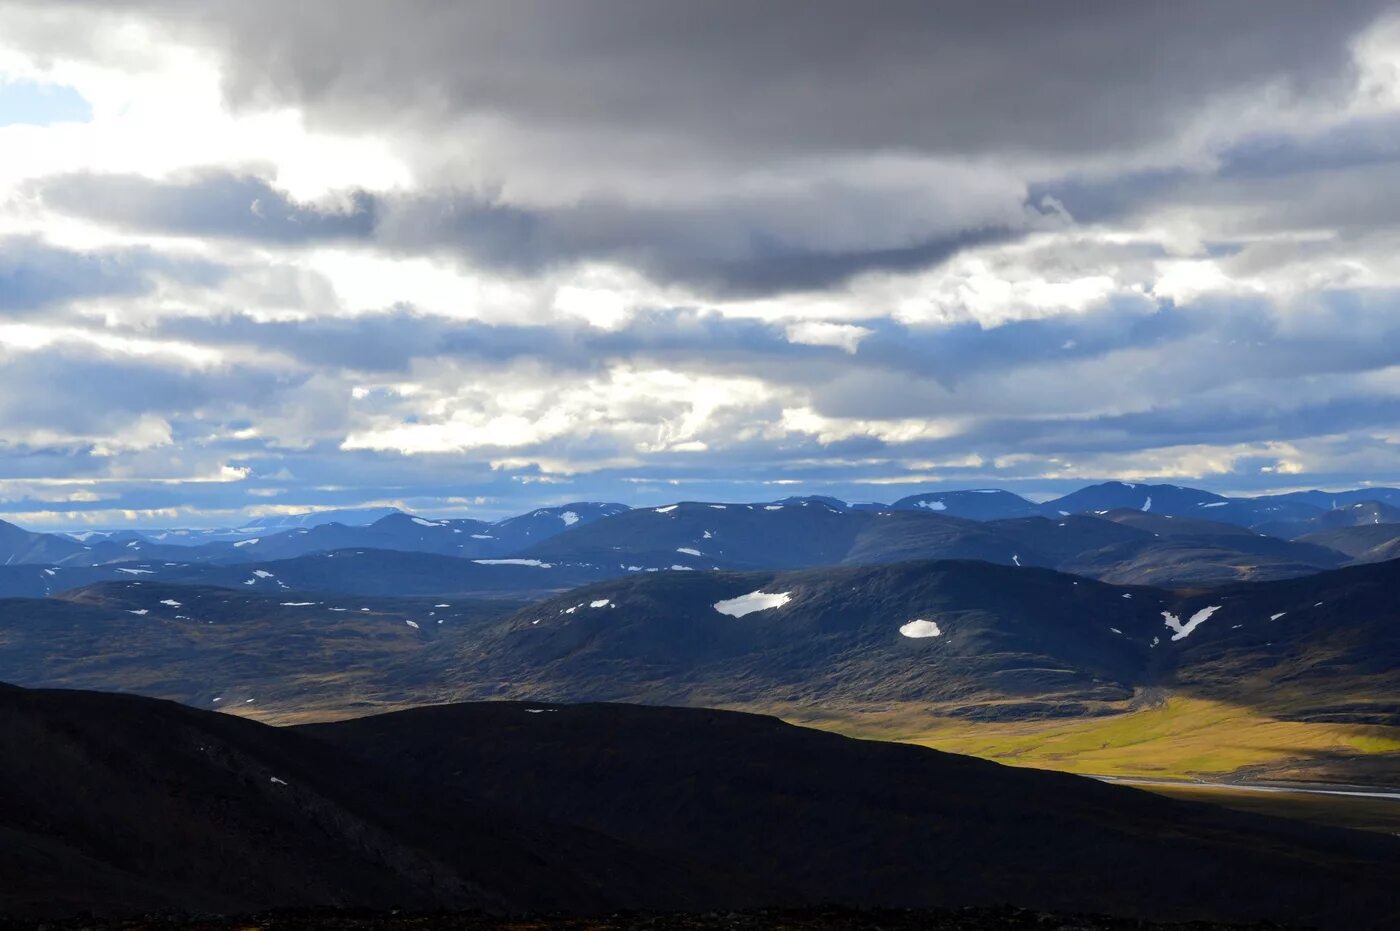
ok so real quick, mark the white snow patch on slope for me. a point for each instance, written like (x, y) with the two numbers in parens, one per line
(514, 562)
(138, 612)
(1147, 505)
(921, 628)
(262, 573)
(753, 601)
(601, 603)
(1274, 617)
(425, 523)
(297, 604)
(413, 624)
(1016, 558)
(1212, 504)
(137, 571)
(687, 550)
(932, 505)
(569, 518)
(1183, 631)
(252, 542)
(772, 507)
(667, 509)
(171, 602)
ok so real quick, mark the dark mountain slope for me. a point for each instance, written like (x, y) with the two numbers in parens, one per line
(961, 632)
(897, 536)
(122, 804)
(388, 573)
(869, 822)
(1321, 648)
(218, 648)
(1358, 542)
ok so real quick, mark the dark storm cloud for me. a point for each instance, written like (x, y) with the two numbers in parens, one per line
(727, 250)
(817, 76)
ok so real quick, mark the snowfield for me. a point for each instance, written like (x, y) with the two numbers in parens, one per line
(753, 601)
(921, 628)
(1182, 631)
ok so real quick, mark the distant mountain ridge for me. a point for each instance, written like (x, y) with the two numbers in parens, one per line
(1229, 539)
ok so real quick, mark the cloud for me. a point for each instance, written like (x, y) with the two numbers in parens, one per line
(217, 204)
(348, 252)
(35, 276)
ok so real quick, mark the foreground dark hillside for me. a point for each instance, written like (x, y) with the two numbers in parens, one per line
(826, 919)
(123, 805)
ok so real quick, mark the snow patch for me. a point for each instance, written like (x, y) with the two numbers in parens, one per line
(1183, 631)
(600, 603)
(1274, 617)
(137, 571)
(667, 509)
(297, 604)
(251, 542)
(514, 562)
(934, 505)
(569, 518)
(138, 612)
(171, 602)
(753, 601)
(262, 573)
(687, 550)
(920, 628)
(413, 624)
(1147, 505)
(425, 523)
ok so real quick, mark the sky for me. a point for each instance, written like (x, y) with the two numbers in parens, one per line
(468, 258)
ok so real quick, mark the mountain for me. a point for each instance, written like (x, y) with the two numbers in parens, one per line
(1362, 542)
(1322, 648)
(693, 534)
(698, 535)
(973, 639)
(265, 525)
(1108, 496)
(220, 648)
(976, 504)
(1360, 514)
(395, 530)
(1333, 500)
(518, 533)
(388, 573)
(968, 633)
(125, 805)
(19, 546)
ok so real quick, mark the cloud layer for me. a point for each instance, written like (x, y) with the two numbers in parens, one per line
(469, 257)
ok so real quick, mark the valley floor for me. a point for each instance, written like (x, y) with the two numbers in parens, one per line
(1178, 738)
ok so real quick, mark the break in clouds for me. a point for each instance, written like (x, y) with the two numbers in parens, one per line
(471, 257)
